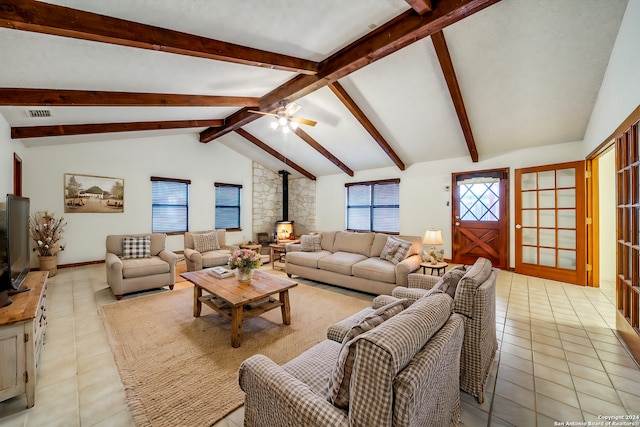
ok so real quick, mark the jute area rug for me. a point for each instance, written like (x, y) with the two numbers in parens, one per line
(179, 370)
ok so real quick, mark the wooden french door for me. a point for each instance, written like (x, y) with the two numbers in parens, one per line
(550, 210)
(480, 217)
(628, 232)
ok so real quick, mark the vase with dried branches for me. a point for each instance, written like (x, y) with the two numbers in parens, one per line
(46, 231)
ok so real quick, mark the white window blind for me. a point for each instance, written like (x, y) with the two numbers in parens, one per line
(227, 206)
(170, 205)
(374, 206)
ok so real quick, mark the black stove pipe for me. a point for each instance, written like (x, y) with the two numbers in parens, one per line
(285, 194)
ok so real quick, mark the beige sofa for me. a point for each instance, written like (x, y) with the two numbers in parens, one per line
(352, 260)
(402, 372)
(139, 274)
(197, 260)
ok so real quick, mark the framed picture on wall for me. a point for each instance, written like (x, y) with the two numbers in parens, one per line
(93, 194)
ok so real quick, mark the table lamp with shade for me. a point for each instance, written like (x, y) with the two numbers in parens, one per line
(432, 237)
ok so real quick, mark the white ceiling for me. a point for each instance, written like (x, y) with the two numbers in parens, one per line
(529, 73)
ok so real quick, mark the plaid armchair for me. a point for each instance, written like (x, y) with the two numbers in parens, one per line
(475, 300)
(404, 373)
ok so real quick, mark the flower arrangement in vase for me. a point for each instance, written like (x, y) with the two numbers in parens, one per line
(436, 256)
(244, 261)
(46, 231)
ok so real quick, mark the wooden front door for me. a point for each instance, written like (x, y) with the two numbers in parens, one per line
(550, 210)
(17, 175)
(480, 217)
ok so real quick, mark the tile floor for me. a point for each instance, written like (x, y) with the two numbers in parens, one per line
(559, 359)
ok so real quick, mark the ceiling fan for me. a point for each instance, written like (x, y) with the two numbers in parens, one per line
(284, 116)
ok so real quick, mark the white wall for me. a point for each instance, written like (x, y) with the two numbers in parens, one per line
(620, 91)
(607, 215)
(134, 160)
(7, 148)
(423, 198)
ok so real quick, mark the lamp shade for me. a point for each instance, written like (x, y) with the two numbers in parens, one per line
(432, 237)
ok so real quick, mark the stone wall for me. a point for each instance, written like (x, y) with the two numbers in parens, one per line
(302, 204)
(267, 202)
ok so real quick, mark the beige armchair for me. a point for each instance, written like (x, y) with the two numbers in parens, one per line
(139, 264)
(204, 249)
(475, 300)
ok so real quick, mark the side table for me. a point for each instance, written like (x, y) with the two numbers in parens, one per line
(251, 246)
(437, 267)
(277, 252)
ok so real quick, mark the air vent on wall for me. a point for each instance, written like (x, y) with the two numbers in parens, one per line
(39, 113)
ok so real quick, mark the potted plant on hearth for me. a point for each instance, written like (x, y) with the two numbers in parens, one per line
(46, 231)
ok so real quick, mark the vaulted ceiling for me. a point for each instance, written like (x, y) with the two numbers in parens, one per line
(390, 83)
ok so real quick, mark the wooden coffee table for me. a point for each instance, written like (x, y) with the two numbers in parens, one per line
(237, 301)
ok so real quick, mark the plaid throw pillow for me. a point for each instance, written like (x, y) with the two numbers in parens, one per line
(310, 243)
(341, 377)
(395, 250)
(136, 247)
(206, 242)
(450, 280)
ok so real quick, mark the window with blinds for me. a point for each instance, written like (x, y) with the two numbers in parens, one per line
(170, 205)
(227, 206)
(374, 206)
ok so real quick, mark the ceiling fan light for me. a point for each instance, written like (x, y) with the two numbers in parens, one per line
(274, 125)
(282, 121)
(293, 125)
(285, 129)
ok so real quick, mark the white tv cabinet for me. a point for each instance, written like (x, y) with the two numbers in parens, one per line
(22, 328)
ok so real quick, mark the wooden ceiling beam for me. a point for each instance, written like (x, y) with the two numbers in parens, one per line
(45, 18)
(420, 6)
(94, 128)
(292, 90)
(320, 149)
(260, 144)
(399, 32)
(95, 98)
(440, 45)
(351, 105)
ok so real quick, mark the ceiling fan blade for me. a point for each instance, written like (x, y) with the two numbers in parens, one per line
(291, 108)
(262, 112)
(303, 121)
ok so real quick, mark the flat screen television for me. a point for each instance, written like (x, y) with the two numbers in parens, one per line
(15, 252)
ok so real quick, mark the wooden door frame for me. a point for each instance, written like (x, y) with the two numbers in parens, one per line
(593, 230)
(17, 175)
(505, 258)
(629, 334)
(593, 211)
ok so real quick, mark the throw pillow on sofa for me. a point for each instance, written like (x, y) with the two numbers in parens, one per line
(205, 242)
(341, 376)
(395, 250)
(136, 247)
(310, 243)
(449, 281)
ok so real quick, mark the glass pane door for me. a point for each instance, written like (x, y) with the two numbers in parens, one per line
(549, 215)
